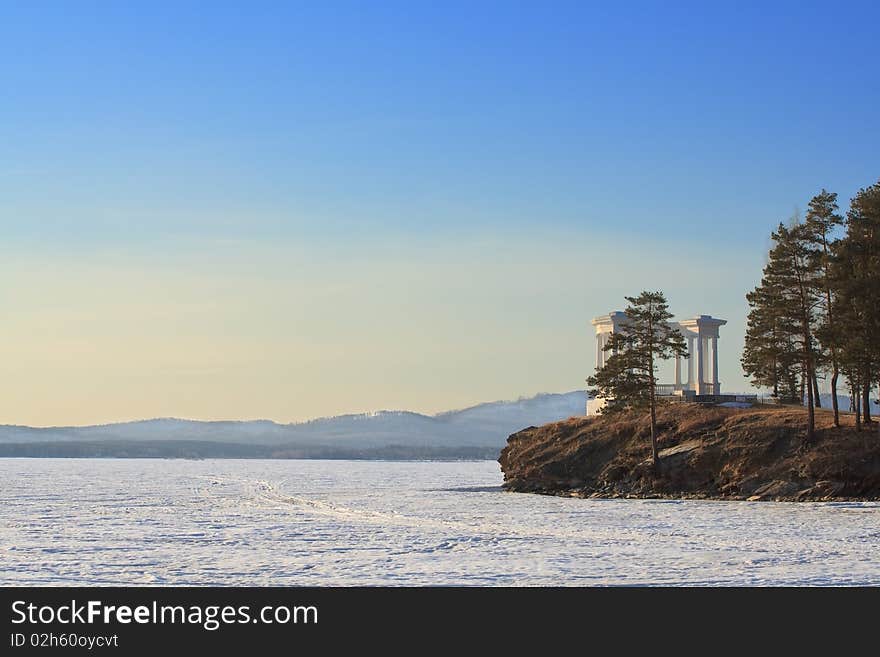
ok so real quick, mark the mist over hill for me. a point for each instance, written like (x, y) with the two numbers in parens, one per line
(475, 432)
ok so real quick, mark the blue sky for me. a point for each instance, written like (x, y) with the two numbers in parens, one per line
(503, 162)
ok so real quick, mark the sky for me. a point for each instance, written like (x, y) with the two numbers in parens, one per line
(291, 210)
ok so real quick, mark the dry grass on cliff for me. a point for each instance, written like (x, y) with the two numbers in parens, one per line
(708, 451)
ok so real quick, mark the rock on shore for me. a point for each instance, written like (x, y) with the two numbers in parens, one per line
(706, 452)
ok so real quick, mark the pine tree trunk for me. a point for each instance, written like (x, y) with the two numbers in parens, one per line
(808, 378)
(834, 375)
(811, 409)
(655, 455)
(816, 397)
(866, 401)
(835, 370)
(857, 401)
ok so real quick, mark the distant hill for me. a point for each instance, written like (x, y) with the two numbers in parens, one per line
(475, 432)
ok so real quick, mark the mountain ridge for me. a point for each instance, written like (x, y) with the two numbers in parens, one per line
(479, 429)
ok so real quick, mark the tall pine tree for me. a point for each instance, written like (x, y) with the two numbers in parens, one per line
(851, 338)
(821, 221)
(770, 355)
(783, 316)
(629, 378)
(858, 280)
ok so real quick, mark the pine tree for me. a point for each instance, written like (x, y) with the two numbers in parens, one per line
(770, 356)
(851, 337)
(629, 378)
(621, 382)
(858, 279)
(786, 302)
(821, 220)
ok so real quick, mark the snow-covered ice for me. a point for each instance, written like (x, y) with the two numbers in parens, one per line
(237, 522)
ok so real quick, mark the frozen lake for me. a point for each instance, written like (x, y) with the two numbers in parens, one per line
(231, 522)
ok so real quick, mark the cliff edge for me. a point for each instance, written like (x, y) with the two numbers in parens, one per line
(706, 452)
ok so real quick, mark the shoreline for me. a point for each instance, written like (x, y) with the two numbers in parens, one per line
(706, 453)
(691, 497)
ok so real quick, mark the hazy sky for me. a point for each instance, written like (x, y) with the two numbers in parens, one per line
(282, 211)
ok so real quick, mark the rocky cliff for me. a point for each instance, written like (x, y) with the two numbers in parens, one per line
(706, 452)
